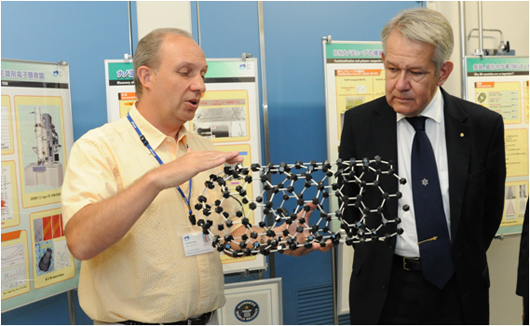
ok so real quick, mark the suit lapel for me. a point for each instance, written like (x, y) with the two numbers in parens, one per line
(458, 143)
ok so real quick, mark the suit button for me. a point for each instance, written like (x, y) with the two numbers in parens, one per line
(385, 286)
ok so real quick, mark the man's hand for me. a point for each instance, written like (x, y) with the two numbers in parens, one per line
(188, 165)
(303, 216)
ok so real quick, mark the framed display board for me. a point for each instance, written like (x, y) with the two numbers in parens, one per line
(37, 136)
(354, 74)
(228, 115)
(253, 303)
(500, 83)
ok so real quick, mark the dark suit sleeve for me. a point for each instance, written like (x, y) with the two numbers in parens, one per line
(495, 172)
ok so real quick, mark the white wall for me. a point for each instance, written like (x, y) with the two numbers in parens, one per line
(158, 14)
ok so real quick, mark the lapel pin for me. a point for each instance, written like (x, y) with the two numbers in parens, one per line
(461, 134)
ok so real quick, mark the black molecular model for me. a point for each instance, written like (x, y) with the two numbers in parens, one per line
(356, 182)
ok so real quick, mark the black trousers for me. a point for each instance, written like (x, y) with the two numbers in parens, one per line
(411, 300)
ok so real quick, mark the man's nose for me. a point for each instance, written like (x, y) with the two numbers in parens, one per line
(403, 82)
(198, 84)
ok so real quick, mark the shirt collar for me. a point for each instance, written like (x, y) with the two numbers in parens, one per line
(433, 111)
(154, 136)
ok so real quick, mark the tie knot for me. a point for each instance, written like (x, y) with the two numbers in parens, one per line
(417, 122)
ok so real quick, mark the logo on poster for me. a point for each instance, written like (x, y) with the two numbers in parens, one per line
(246, 310)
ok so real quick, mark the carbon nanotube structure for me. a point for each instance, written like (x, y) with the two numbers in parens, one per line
(305, 187)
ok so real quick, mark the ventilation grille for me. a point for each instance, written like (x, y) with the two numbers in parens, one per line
(315, 305)
(344, 319)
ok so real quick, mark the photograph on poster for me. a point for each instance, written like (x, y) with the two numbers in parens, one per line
(41, 148)
(223, 116)
(52, 262)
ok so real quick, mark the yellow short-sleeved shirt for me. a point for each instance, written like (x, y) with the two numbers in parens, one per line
(145, 276)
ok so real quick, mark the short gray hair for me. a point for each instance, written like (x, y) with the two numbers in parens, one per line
(423, 25)
(147, 52)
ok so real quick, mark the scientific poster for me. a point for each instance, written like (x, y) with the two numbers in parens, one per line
(354, 74)
(37, 135)
(228, 115)
(121, 95)
(500, 83)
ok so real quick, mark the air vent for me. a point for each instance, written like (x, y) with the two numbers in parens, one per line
(315, 305)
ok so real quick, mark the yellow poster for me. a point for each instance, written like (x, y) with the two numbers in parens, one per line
(355, 87)
(501, 97)
(516, 146)
(126, 102)
(526, 101)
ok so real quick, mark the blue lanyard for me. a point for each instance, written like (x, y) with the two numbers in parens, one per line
(146, 143)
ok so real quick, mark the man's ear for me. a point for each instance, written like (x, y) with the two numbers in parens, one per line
(444, 73)
(144, 75)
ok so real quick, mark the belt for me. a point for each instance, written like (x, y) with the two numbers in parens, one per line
(201, 320)
(412, 264)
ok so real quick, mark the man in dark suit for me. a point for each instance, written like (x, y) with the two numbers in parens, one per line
(392, 281)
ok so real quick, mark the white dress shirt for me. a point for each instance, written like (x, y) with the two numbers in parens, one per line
(407, 242)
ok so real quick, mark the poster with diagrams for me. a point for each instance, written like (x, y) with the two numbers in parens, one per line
(37, 135)
(228, 115)
(500, 83)
(354, 74)
(121, 95)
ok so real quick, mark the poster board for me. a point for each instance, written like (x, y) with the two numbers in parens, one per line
(354, 74)
(500, 83)
(253, 303)
(37, 135)
(228, 115)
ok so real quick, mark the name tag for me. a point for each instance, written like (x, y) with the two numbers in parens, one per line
(197, 243)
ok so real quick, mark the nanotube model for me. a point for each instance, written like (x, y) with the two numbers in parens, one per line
(305, 187)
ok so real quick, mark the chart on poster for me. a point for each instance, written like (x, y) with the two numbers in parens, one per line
(37, 135)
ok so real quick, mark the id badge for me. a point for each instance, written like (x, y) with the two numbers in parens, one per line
(197, 243)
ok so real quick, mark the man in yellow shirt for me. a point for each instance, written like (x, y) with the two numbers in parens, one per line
(126, 212)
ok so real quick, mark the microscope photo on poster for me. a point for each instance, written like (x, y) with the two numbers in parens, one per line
(41, 152)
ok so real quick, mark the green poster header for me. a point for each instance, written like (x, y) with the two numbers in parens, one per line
(368, 50)
(124, 71)
(233, 69)
(497, 64)
(121, 71)
(36, 72)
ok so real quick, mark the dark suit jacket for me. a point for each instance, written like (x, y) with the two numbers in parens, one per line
(476, 160)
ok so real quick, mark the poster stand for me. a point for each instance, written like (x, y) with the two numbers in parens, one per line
(37, 135)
